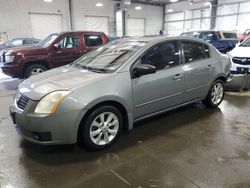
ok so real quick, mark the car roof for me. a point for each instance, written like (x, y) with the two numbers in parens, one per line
(158, 39)
(24, 39)
(209, 31)
(78, 32)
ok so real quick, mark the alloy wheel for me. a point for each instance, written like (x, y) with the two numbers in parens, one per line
(217, 93)
(104, 128)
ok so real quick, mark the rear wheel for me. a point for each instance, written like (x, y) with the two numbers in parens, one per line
(101, 128)
(34, 70)
(215, 95)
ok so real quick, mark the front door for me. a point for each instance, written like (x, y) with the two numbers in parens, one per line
(67, 50)
(164, 89)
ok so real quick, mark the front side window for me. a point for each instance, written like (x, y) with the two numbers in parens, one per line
(193, 51)
(109, 57)
(93, 40)
(162, 56)
(69, 42)
(246, 43)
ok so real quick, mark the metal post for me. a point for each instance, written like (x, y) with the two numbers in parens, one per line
(214, 5)
(70, 15)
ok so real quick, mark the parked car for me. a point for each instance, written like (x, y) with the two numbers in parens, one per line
(56, 50)
(240, 68)
(245, 35)
(104, 92)
(19, 42)
(224, 41)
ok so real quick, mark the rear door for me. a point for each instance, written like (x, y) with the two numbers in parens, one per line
(199, 69)
(69, 49)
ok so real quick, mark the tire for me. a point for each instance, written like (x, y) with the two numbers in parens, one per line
(99, 128)
(215, 95)
(34, 70)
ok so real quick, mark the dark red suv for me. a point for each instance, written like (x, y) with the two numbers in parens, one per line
(56, 50)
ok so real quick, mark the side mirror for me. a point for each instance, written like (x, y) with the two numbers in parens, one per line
(57, 46)
(143, 69)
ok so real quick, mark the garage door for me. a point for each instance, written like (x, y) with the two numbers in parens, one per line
(44, 24)
(135, 27)
(97, 23)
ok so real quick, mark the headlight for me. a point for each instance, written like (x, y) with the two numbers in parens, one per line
(9, 58)
(51, 102)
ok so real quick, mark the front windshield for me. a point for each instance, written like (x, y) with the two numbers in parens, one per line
(109, 57)
(246, 43)
(48, 40)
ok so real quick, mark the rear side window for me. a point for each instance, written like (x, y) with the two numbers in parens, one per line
(193, 51)
(93, 40)
(229, 35)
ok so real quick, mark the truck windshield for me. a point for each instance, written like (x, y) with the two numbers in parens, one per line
(48, 40)
(109, 57)
(191, 34)
(246, 43)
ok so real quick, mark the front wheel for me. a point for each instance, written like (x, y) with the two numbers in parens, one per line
(101, 128)
(34, 70)
(215, 95)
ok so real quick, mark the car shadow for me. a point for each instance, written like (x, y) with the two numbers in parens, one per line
(144, 130)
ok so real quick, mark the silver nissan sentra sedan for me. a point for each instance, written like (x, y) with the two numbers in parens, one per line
(92, 100)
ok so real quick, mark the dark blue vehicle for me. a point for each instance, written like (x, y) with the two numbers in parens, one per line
(224, 41)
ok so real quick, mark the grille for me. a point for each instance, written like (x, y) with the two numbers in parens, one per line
(241, 60)
(22, 101)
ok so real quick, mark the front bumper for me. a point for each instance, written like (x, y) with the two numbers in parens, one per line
(45, 129)
(13, 70)
(238, 82)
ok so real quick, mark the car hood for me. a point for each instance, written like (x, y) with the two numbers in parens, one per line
(240, 52)
(33, 49)
(63, 78)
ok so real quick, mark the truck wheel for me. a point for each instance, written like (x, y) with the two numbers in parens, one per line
(101, 128)
(34, 70)
(215, 95)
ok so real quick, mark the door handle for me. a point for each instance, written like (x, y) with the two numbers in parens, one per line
(58, 52)
(209, 67)
(177, 77)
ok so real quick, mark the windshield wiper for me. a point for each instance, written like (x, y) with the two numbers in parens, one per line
(93, 69)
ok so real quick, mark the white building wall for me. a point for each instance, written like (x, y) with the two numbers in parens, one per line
(186, 17)
(233, 15)
(83, 8)
(153, 16)
(15, 18)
